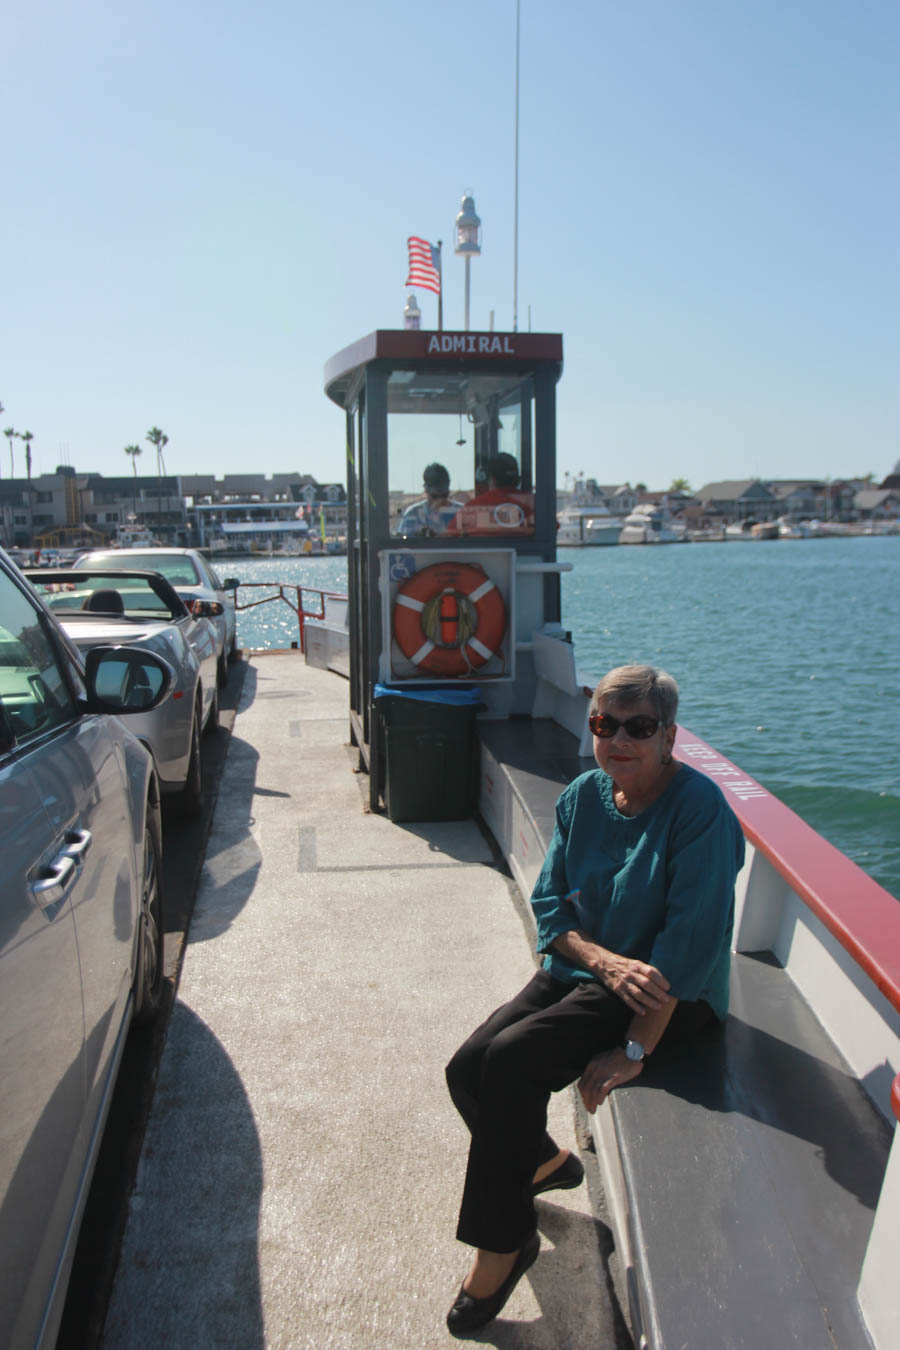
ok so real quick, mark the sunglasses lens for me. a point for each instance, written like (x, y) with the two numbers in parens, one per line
(638, 728)
(641, 728)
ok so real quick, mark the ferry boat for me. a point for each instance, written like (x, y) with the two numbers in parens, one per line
(754, 1184)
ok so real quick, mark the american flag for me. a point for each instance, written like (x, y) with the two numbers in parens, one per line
(424, 265)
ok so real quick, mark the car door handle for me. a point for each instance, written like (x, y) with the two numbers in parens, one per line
(50, 888)
(77, 844)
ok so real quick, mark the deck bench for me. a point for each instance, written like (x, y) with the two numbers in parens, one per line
(743, 1170)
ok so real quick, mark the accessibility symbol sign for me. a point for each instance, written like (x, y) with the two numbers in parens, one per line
(401, 566)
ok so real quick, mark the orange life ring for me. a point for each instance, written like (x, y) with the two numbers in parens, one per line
(449, 619)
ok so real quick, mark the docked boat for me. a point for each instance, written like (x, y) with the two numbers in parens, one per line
(740, 531)
(588, 527)
(782, 1127)
(793, 529)
(765, 529)
(133, 534)
(831, 529)
(652, 525)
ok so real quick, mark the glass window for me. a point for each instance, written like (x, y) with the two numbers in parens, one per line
(33, 692)
(177, 568)
(460, 454)
(108, 597)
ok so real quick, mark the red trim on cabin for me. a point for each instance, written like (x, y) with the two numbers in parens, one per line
(863, 916)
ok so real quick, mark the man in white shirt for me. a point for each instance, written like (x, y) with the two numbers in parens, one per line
(433, 514)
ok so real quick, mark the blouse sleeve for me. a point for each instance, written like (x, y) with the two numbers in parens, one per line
(706, 853)
(552, 910)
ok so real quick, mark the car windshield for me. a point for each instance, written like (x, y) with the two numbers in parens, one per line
(103, 596)
(177, 568)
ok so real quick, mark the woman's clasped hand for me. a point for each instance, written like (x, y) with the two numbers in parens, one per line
(642, 987)
(604, 1072)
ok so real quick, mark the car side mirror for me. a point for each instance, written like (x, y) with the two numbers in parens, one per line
(230, 584)
(124, 680)
(207, 609)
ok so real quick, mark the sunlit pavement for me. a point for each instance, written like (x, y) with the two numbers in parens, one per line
(302, 1164)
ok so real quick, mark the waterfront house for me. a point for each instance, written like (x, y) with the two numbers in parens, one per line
(740, 499)
(877, 504)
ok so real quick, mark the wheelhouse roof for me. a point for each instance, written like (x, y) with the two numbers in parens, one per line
(424, 349)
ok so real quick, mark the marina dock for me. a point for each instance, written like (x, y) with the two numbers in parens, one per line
(302, 1166)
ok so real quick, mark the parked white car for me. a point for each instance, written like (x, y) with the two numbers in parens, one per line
(100, 607)
(192, 577)
(81, 931)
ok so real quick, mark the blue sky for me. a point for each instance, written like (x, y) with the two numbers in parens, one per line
(204, 202)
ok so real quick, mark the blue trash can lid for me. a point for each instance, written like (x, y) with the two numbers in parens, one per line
(456, 696)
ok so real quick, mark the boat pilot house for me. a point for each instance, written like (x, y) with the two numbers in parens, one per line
(775, 1134)
(451, 453)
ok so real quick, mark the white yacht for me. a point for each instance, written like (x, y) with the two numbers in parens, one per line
(649, 524)
(583, 526)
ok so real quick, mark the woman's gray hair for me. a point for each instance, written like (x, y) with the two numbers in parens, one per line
(632, 684)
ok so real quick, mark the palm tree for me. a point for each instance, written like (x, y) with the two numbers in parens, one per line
(9, 433)
(134, 451)
(680, 485)
(159, 439)
(27, 437)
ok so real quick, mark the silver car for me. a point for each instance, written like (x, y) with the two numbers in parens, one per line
(81, 931)
(97, 608)
(188, 571)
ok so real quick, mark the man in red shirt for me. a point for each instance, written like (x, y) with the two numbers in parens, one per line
(503, 508)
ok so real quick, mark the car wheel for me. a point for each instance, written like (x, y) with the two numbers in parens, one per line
(222, 670)
(149, 972)
(190, 799)
(212, 720)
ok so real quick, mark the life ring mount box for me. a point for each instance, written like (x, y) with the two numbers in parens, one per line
(447, 616)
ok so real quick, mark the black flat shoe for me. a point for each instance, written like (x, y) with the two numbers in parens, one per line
(566, 1177)
(468, 1313)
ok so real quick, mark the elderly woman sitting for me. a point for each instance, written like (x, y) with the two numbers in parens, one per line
(634, 908)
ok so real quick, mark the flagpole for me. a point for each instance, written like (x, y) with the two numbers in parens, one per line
(516, 210)
(441, 291)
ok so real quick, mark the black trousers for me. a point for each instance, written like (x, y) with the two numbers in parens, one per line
(501, 1079)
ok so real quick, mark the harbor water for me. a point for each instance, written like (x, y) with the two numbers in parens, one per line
(787, 654)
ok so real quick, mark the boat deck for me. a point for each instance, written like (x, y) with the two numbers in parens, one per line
(302, 1165)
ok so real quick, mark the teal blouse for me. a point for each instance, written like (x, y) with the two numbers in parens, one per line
(658, 887)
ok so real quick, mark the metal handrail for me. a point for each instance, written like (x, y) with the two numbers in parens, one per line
(297, 605)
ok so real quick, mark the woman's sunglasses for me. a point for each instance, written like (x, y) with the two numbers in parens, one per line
(639, 728)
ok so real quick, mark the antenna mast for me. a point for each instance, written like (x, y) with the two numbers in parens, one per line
(516, 208)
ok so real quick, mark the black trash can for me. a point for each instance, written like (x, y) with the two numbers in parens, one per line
(429, 752)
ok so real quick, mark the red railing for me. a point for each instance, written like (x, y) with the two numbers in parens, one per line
(290, 595)
(861, 915)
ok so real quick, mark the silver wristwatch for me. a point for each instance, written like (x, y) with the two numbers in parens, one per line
(634, 1050)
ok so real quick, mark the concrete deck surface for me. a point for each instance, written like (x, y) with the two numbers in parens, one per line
(303, 1163)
